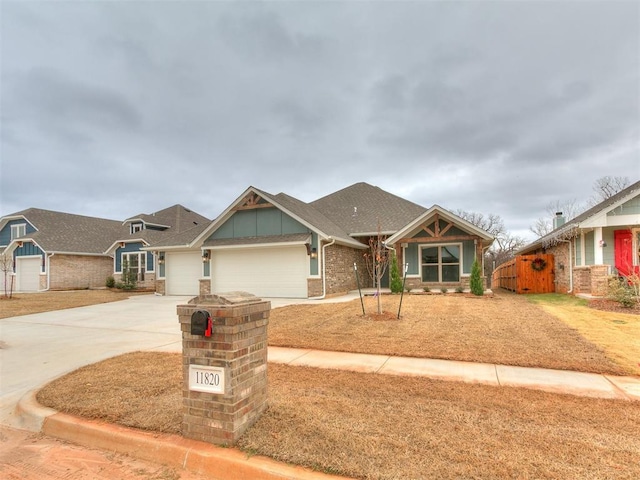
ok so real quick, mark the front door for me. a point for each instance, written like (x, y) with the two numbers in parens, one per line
(623, 248)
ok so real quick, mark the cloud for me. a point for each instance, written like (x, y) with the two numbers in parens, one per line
(494, 107)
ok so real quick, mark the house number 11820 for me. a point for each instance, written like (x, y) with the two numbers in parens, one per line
(206, 379)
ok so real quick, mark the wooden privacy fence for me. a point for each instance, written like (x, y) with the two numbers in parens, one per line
(526, 274)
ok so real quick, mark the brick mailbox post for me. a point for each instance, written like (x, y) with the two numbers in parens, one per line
(224, 361)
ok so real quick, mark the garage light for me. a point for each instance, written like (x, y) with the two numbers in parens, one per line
(314, 253)
(205, 256)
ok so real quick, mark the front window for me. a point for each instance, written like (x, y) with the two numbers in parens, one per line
(18, 231)
(441, 263)
(134, 264)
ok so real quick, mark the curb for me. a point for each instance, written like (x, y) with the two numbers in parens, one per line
(174, 451)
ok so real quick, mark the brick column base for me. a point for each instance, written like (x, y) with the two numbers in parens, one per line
(238, 348)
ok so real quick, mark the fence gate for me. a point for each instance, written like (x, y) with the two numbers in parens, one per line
(526, 274)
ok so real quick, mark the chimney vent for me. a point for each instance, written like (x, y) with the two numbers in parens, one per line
(558, 220)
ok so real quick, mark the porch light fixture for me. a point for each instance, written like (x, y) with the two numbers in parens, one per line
(312, 252)
(205, 256)
(161, 258)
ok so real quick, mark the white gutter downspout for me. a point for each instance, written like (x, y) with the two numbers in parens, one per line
(48, 266)
(324, 271)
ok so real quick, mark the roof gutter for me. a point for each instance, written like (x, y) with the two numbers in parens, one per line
(324, 270)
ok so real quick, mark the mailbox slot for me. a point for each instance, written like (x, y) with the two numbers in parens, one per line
(201, 323)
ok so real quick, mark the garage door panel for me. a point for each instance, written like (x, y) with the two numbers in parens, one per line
(182, 273)
(28, 273)
(265, 272)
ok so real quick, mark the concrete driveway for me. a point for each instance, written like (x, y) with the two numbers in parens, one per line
(35, 349)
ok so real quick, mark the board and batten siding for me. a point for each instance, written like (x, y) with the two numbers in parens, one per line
(261, 222)
(265, 222)
(133, 248)
(29, 249)
(630, 207)
(5, 233)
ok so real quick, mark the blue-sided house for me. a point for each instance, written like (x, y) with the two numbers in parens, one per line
(169, 226)
(54, 250)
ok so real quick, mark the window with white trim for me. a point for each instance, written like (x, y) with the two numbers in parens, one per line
(440, 263)
(136, 227)
(18, 230)
(134, 262)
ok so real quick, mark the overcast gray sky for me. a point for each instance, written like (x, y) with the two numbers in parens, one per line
(113, 108)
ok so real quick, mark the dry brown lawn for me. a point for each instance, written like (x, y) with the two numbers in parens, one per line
(27, 303)
(504, 329)
(381, 427)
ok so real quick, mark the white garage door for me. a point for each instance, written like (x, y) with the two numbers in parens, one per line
(182, 273)
(265, 272)
(28, 273)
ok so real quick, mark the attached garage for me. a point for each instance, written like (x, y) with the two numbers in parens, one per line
(183, 271)
(276, 271)
(28, 274)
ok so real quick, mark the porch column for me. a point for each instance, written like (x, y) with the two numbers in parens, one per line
(583, 250)
(598, 257)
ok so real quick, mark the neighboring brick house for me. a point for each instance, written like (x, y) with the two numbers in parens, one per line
(602, 241)
(57, 251)
(278, 246)
(51, 250)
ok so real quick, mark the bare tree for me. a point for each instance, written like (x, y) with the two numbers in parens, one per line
(569, 209)
(505, 244)
(377, 260)
(6, 268)
(606, 187)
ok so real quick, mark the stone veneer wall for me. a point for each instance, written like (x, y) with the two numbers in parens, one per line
(592, 280)
(561, 259)
(205, 286)
(160, 286)
(78, 272)
(314, 287)
(339, 269)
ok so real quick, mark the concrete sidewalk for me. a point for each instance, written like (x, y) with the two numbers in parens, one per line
(556, 381)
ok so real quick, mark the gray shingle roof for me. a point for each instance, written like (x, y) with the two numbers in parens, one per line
(176, 217)
(312, 216)
(359, 207)
(170, 239)
(70, 233)
(184, 226)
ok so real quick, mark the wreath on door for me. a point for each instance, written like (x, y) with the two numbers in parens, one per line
(538, 264)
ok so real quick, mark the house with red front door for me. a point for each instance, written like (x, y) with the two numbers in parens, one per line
(603, 241)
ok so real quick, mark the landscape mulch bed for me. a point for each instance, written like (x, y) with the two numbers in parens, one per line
(612, 306)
